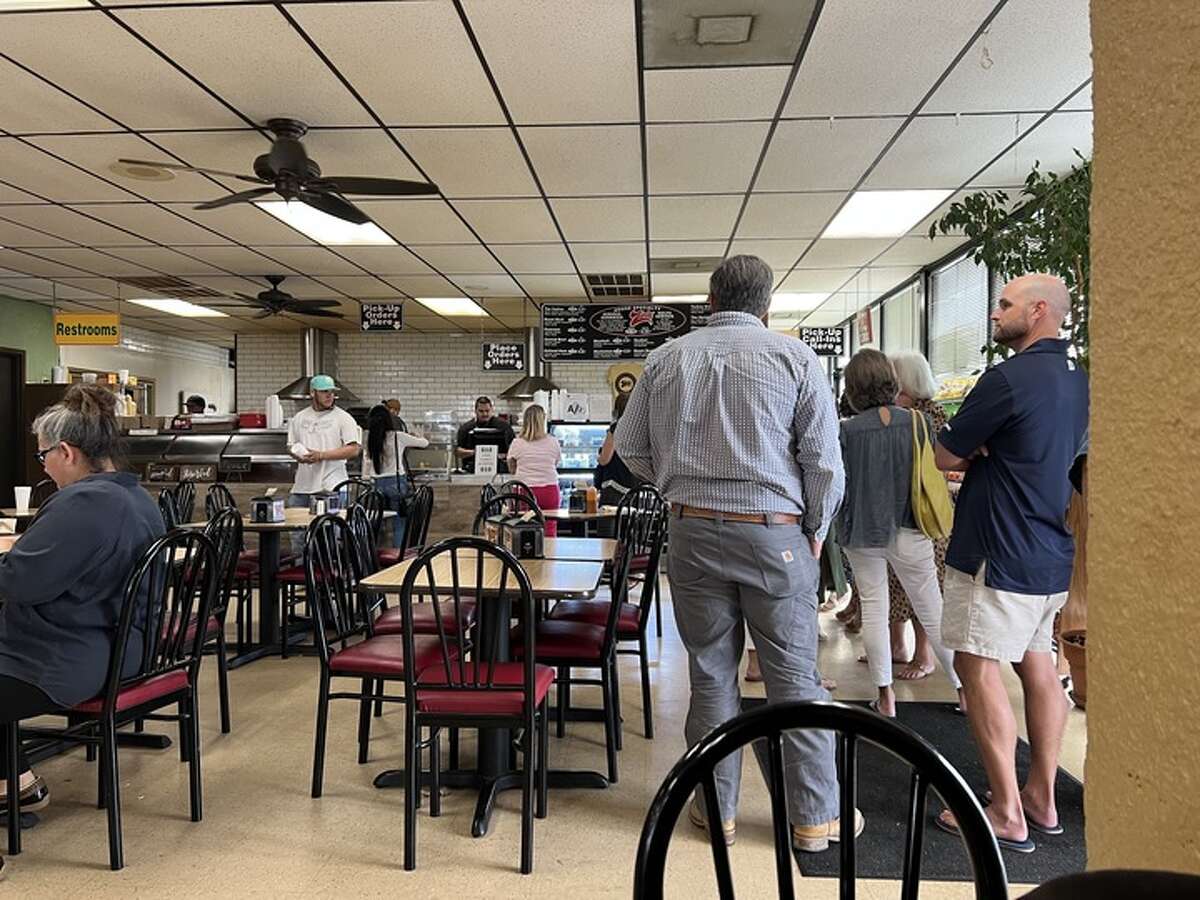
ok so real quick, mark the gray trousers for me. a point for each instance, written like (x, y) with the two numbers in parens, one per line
(722, 572)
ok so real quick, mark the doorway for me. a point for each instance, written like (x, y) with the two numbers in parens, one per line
(12, 383)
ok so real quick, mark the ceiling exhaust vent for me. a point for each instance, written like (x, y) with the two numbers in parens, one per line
(171, 286)
(684, 265)
(632, 285)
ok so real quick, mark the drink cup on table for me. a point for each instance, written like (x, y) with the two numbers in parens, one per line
(22, 494)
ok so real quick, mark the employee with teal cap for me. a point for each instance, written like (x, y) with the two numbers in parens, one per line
(321, 437)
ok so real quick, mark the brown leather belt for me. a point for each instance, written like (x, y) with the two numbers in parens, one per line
(699, 512)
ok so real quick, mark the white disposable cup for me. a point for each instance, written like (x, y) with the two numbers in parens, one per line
(89, 377)
(22, 493)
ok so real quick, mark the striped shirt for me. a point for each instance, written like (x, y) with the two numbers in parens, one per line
(737, 418)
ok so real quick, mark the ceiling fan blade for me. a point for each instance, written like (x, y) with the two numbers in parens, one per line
(335, 206)
(381, 187)
(265, 314)
(181, 168)
(307, 311)
(315, 304)
(239, 197)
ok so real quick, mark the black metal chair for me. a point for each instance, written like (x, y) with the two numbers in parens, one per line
(217, 498)
(641, 526)
(169, 589)
(416, 527)
(471, 684)
(185, 500)
(1120, 884)
(224, 529)
(487, 492)
(516, 486)
(373, 503)
(41, 492)
(512, 504)
(852, 724)
(168, 505)
(351, 488)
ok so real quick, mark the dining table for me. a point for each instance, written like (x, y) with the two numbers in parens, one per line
(550, 579)
(588, 520)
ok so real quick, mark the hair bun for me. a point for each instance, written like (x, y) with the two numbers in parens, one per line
(91, 400)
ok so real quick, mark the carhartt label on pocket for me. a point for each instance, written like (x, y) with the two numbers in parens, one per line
(787, 556)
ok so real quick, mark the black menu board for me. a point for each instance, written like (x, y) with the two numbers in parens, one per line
(588, 332)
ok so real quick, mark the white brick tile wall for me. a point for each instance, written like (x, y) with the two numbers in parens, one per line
(265, 363)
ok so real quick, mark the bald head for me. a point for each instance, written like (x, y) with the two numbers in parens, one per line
(1030, 308)
(1041, 286)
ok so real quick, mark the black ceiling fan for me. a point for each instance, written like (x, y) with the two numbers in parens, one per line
(273, 301)
(287, 170)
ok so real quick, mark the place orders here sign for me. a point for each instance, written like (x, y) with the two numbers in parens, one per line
(503, 357)
(87, 328)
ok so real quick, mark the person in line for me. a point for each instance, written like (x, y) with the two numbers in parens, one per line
(876, 527)
(736, 426)
(917, 388)
(485, 428)
(612, 477)
(384, 464)
(62, 584)
(194, 405)
(533, 457)
(393, 405)
(327, 436)
(1016, 436)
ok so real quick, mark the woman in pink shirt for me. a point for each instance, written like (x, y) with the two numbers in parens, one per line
(533, 458)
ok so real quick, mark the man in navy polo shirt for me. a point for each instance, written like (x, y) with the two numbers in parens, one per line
(1009, 562)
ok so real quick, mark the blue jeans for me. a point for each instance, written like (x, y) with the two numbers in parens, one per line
(395, 490)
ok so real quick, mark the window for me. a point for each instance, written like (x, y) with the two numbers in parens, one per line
(902, 320)
(958, 318)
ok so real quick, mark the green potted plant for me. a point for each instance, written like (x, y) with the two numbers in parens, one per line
(1047, 232)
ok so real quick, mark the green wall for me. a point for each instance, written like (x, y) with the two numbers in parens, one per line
(29, 327)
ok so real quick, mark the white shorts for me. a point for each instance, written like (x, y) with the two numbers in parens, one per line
(999, 625)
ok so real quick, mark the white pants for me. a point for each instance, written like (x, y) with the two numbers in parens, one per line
(911, 557)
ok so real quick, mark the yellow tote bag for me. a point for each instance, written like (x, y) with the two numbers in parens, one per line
(930, 497)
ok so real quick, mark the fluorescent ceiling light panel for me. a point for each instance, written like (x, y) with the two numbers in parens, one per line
(453, 306)
(181, 308)
(324, 228)
(687, 298)
(883, 214)
(788, 303)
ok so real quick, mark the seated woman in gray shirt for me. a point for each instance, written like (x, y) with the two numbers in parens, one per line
(62, 583)
(876, 526)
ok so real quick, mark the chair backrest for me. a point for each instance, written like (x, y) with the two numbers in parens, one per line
(185, 500)
(1120, 884)
(224, 530)
(363, 533)
(219, 497)
(351, 488)
(513, 504)
(41, 492)
(373, 503)
(641, 525)
(516, 486)
(420, 512)
(448, 574)
(851, 724)
(168, 505)
(331, 582)
(487, 492)
(170, 587)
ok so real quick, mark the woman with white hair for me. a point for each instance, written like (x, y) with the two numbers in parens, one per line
(917, 388)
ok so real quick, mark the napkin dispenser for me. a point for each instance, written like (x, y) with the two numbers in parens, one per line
(324, 502)
(266, 509)
(522, 535)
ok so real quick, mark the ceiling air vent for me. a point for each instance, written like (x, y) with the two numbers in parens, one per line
(683, 265)
(633, 285)
(171, 286)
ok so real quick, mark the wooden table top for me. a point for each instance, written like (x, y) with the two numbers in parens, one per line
(590, 549)
(11, 512)
(550, 578)
(566, 515)
(293, 520)
(7, 541)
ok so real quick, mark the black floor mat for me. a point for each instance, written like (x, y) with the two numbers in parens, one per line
(883, 785)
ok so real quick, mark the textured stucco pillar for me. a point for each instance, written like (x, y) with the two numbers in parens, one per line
(1143, 763)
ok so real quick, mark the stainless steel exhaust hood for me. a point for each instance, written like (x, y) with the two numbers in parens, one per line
(535, 370)
(318, 356)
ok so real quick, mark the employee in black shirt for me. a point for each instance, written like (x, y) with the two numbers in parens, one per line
(484, 429)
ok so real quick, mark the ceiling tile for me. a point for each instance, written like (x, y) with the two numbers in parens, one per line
(237, 260)
(693, 218)
(157, 224)
(824, 318)
(379, 46)
(692, 284)
(15, 235)
(624, 257)
(692, 159)
(804, 281)
(580, 161)
(28, 104)
(27, 167)
(386, 260)
(470, 162)
(14, 196)
(941, 152)
(552, 286)
(919, 251)
(1052, 145)
(834, 254)
(244, 223)
(916, 49)
(311, 260)
(85, 288)
(418, 221)
(601, 218)
(230, 285)
(93, 261)
(362, 287)
(454, 259)
(489, 286)
(222, 46)
(509, 221)
(779, 255)
(585, 66)
(661, 249)
(713, 95)
(523, 259)
(823, 156)
(424, 285)
(308, 288)
(163, 259)
(788, 215)
(1039, 53)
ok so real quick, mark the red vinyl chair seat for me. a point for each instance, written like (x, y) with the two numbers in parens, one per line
(384, 655)
(138, 693)
(562, 640)
(213, 628)
(482, 702)
(595, 612)
(392, 619)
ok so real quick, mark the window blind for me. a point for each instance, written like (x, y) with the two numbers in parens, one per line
(958, 317)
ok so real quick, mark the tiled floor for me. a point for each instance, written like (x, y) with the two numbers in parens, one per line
(263, 835)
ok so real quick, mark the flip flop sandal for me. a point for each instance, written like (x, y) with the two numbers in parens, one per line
(874, 707)
(1025, 846)
(1053, 830)
(905, 673)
